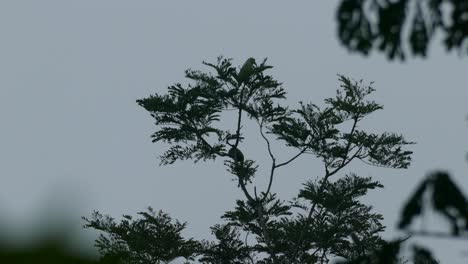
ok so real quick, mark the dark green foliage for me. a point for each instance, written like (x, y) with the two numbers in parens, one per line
(229, 248)
(316, 132)
(364, 25)
(154, 238)
(343, 225)
(188, 115)
(325, 219)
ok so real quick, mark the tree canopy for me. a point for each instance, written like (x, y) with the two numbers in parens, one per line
(324, 220)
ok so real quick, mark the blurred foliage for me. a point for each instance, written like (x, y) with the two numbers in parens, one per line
(445, 197)
(399, 27)
(423, 256)
(389, 254)
(48, 253)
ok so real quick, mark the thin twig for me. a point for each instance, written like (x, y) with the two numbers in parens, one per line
(266, 140)
(272, 171)
(380, 166)
(293, 158)
(350, 136)
(239, 116)
(273, 165)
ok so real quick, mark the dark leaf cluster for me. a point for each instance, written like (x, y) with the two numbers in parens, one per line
(228, 249)
(317, 131)
(187, 116)
(341, 223)
(153, 238)
(364, 25)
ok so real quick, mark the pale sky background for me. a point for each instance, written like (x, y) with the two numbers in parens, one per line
(72, 135)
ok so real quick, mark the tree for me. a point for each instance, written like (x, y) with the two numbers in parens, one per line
(324, 220)
(364, 25)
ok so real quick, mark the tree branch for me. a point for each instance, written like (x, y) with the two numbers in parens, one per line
(244, 189)
(272, 171)
(328, 174)
(355, 119)
(266, 140)
(346, 162)
(293, 158)
(273, 165)
(239, 116)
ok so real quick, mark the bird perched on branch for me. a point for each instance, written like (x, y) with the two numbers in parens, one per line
(246, 71)
(235, 154)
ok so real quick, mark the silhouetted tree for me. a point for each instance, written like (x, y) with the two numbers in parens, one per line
(399, 27)
(326, 219)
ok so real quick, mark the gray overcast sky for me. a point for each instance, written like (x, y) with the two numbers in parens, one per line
(71, 132)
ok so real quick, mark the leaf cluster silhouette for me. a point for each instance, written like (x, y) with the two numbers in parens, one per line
(397, 28)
